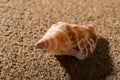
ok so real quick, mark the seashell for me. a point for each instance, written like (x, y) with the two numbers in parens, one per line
(69, 39)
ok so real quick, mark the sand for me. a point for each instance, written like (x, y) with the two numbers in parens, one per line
(23, 22)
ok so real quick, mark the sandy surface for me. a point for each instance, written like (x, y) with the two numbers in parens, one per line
(23, 22)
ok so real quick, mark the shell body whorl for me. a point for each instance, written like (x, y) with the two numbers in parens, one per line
(69, 39)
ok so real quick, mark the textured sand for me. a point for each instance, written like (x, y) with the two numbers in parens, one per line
(23, 22)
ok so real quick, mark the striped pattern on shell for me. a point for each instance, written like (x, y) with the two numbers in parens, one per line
(69, 39)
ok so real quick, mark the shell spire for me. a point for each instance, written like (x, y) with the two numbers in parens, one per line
(40, 44)
(69, 39)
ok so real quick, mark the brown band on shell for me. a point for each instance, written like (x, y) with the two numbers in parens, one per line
(54, 44)
(68, 30)
(65, 37)
(60, 39)
(80, 33)
(46, 41)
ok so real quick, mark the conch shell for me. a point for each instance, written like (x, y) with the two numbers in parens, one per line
(69, 39)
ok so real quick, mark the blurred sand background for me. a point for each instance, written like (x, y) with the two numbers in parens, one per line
(23, 22)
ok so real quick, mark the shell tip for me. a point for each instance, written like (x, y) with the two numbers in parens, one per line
(39, 44)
